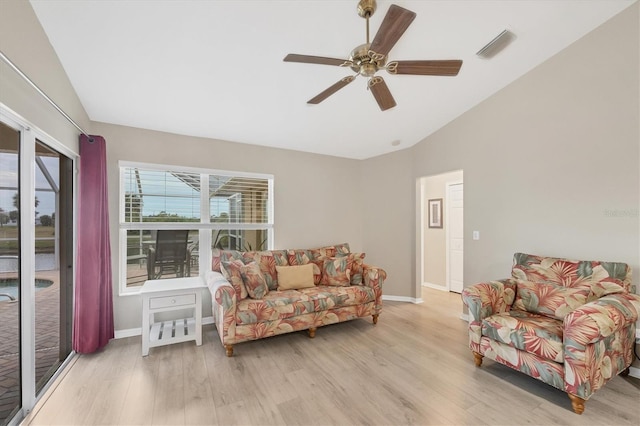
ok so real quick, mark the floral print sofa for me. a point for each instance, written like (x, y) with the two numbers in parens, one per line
(343, 288)
(568, 323)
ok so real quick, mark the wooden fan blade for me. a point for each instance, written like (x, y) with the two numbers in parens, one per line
(306, 59)
(394, 24)
(331, 90)
(446, 67)
(381, 92)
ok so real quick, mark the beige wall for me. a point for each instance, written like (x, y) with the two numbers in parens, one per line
(24, 42)
(388, 218)
(544, 161)
(316, 197)
(434, 242)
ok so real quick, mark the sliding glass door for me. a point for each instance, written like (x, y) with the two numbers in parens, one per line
(36, 265)
(10, 360)
(51, 323)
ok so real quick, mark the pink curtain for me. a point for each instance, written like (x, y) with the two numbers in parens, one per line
(93, 306)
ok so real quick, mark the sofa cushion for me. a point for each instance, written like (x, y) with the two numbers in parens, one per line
(303, 257)
(356, 267)
(299, 256)
(549, 299)
(219, 256)
(295, 277)
(342, 249)
(275, 305)
(327, 297)
(322, 252)
(557, 301)
(254, 281)
(268, 260)
(231, 271)
(336, 271)
(533, 333)
(289, 303)
(569, 273)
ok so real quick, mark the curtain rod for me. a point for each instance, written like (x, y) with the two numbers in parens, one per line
(44, 95)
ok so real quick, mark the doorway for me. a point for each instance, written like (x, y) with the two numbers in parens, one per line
(36, 263)
(441, 243)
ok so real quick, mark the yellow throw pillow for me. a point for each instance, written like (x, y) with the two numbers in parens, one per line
(295, 277)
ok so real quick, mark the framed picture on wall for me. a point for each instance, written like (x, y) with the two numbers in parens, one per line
(435, 213)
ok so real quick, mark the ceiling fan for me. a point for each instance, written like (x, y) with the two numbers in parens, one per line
(369, 58)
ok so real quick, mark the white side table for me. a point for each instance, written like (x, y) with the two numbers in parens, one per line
(171, 295)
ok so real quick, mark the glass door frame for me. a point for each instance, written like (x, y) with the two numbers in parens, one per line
(29, 135)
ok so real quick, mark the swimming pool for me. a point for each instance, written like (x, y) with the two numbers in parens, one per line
(9, 286)
(44, 262)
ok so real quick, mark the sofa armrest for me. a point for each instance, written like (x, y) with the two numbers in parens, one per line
(598, 342)
(223, 304)
(484, 300)
(374, 277)
(601, 318)
(488, 298)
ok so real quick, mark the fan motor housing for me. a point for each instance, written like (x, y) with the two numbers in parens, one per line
(363, 63)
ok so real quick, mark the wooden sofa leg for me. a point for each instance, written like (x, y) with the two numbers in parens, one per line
(375, 318)
(625, 372)
(229, 350)
(577, 403)
(477, 358)
(312, 332)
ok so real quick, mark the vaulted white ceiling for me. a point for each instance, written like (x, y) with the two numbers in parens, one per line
(214, 68)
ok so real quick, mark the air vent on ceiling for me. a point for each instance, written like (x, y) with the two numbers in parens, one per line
(496, 45)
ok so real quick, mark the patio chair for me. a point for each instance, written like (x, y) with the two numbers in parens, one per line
(169, 255)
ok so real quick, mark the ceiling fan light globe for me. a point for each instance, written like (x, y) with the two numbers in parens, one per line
(368, 70)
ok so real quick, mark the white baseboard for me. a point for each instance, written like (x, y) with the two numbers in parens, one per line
(402, 299)
(634, 372)
(130, 332)
(435, 286)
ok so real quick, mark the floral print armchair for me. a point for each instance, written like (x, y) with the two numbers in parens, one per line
(568, 323)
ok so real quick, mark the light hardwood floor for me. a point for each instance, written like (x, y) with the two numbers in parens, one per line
(413, 367)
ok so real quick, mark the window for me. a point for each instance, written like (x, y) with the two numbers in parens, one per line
(172, 217)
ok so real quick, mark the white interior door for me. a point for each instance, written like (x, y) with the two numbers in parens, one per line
(455, 237)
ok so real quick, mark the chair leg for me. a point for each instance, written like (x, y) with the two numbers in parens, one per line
(625, 372)
(577, 403)
(477, 358)
(229, 350)
(375, 318)
(312, 332)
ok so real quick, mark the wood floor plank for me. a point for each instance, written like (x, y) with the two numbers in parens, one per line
(413, 367)
(137, 408)
(199, 408)
(168, 404)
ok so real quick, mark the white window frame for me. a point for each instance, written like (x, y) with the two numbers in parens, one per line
(204, 227)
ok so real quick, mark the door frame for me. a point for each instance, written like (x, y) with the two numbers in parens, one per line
(29, 135)
(448, 186)
(420, 226)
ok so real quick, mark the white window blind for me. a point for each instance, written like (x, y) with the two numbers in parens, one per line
(161, 196)
(238, 199)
